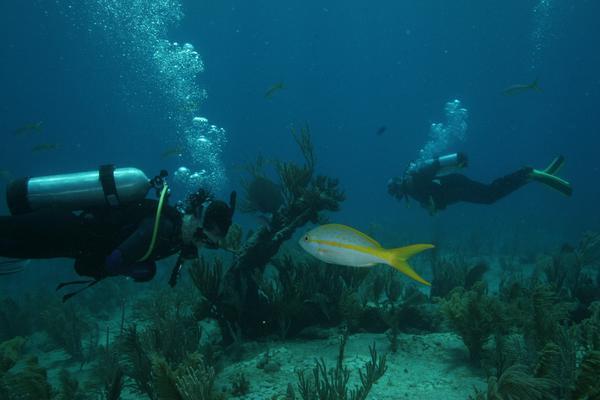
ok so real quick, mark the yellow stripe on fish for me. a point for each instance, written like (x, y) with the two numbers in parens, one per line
(343, 245)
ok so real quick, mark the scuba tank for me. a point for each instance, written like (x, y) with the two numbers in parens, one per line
(454, 160)
(445, 164)
(108, 186)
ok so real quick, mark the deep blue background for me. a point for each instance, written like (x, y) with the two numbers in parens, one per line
(348, 68)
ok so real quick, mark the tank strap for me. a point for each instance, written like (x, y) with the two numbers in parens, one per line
(16, 196)
(106, 174)
(159, 208)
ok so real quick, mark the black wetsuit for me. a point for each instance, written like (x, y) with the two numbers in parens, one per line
(93, 235)
(437, 192)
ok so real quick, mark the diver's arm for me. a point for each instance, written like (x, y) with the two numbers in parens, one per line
(125, 259)
(136, 245)
(402, 187)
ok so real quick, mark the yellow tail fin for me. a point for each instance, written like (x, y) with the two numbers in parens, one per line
(398, 258)
(535, 85)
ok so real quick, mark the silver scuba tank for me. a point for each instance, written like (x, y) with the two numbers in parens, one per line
(454, 160)
(108, 186)
(446, 163)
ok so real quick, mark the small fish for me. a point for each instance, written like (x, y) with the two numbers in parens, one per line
(175, 151)
(343, 245)
(522, 88)
(381, 130)
(35, 127)
(273, 89)
(44, 147)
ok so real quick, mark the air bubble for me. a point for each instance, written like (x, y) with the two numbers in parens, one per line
(441, 135)
(170, 68)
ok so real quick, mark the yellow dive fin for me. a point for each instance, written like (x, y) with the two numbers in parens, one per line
(398, 258)
(555, 166)
(548, 176)
(552, 181)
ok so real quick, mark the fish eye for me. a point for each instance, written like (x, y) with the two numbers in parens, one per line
(306, 238)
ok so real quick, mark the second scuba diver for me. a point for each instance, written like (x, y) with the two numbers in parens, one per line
(103, 221)
(429, 183)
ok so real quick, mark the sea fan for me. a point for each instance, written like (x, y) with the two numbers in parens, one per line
(587, 385)
(517, 383)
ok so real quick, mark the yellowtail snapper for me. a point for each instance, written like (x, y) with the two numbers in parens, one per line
(343, 245)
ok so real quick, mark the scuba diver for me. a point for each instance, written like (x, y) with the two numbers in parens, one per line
(430, 183)
(104, 221)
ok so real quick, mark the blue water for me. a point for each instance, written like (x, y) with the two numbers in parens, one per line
(348, 68)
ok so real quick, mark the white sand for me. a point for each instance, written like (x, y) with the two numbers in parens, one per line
(424, 367)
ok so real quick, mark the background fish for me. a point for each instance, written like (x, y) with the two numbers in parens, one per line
(521, 88)
(381, 130)
(35, 127)
(274, 89)
(343, 245)
(44, 147)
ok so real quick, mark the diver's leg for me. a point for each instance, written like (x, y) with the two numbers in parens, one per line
(457, 187)
(507, 184)
(460, 188)
(40, 234)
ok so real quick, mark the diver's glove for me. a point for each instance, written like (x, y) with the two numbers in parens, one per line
(114, 263)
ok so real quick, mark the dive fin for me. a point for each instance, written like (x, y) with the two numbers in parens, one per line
(555, 166)
(11, 261)
(552, 181)
(11, 270)
(398, 258)
(11, 266)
